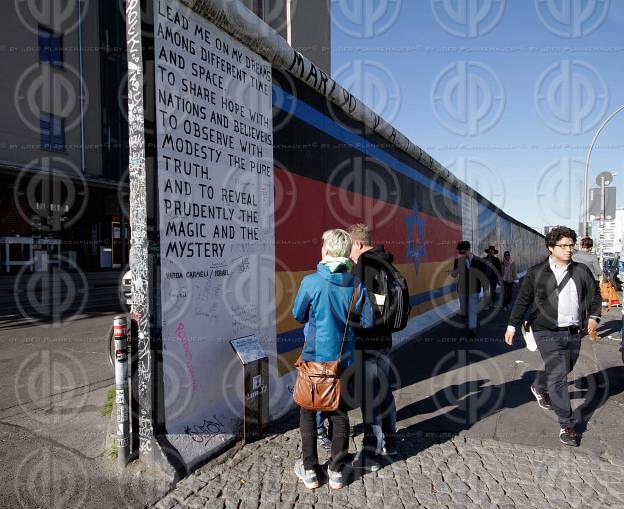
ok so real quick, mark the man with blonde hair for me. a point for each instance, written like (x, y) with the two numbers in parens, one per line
(374, 385)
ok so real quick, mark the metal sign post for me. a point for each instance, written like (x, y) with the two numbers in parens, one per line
(256, 391)
(120, 331)
(256, 415)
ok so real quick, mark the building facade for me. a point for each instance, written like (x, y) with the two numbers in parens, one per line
(609, 234)
(63, 151)
(63, 195)
(304, 24)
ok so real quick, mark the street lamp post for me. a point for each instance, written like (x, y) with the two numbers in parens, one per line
(585, 211)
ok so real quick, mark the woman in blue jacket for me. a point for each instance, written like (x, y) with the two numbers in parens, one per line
(322, 303)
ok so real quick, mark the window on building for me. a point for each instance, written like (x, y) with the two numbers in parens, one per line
(52, 132)
(50, 47)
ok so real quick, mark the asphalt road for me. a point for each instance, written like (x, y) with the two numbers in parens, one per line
(52, 434)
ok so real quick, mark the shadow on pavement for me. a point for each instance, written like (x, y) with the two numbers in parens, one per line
(596, 389)
(473, 401)
(610, 327)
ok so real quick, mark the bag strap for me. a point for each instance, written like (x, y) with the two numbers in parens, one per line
(356, 293)
(560, 287)
(564, 281)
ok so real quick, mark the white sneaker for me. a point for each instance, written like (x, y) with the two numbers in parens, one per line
(308, 477)
(336, 481)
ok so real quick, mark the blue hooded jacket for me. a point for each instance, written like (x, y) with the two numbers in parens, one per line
(322, 303)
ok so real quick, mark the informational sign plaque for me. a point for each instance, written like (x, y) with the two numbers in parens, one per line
(248, 349)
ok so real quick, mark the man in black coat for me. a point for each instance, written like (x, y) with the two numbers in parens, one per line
(374, 384)
(494, 274)
(472, 275)
(560, 300)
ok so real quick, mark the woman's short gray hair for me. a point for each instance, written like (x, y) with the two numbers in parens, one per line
(337, 242)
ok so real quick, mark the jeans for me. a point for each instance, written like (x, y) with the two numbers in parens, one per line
(468, 306)
(320, 427)
(560, 351)
(374, 388)
(340, 437)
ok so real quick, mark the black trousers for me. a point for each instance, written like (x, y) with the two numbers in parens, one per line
(507, 290)
(560, 351)
(340, 437)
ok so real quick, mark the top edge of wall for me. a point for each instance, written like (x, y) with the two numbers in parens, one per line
(242, 24)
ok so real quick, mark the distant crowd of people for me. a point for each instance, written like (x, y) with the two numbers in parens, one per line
(356, 299)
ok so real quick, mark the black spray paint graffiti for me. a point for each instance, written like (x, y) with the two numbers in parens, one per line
(138, 215)
(206, 431)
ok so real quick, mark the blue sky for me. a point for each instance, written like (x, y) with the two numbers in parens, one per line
(507, 97)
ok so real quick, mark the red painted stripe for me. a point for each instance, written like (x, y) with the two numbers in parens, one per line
(305, 208)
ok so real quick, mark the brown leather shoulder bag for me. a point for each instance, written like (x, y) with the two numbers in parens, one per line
(317, 386)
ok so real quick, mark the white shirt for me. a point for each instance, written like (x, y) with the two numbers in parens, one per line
(568, 309)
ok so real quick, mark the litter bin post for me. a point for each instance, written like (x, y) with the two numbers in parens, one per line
(120, 331)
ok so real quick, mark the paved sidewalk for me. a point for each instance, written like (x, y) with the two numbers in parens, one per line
(470, 435)
(461, 472)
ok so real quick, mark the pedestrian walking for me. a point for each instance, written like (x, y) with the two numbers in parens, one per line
(509, 273)
(374, 386)
(584, 255)
(471, 273)
(494, 271)
(323, 303)
(560, 300)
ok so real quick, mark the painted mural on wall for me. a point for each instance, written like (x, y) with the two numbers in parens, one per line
(338, 172)
(254, 163)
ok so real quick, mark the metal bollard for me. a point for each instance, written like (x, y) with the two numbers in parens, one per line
(120, 331)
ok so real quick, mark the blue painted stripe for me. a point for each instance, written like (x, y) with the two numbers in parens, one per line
(290, 104)
(293, 339)
(421, 298)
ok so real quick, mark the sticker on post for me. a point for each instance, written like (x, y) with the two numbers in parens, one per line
(122, 413)
(248, 349)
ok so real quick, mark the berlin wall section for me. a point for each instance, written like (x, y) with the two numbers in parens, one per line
(203, 252)
(236, 169)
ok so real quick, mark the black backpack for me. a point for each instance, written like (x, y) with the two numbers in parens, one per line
(395, 311)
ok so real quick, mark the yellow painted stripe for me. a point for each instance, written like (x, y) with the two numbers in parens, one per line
(431, 275)
(287, 359)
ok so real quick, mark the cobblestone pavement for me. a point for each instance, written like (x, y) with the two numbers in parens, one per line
(470, 435)
(431, 472)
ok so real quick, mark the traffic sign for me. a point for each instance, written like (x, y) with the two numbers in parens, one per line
(605, 176)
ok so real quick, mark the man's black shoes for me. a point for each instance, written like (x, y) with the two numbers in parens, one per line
(568, 436)
(542, 398)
